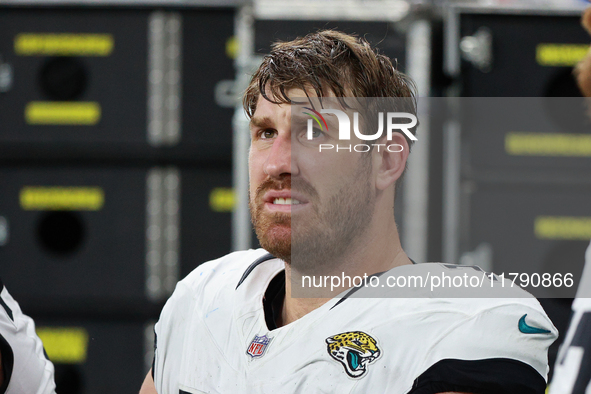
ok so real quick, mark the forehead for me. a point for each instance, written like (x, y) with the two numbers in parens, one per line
(267, 112)
(300, 98)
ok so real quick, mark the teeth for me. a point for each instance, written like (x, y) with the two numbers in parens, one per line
(286, 201)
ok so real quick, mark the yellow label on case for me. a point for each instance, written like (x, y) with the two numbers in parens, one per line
(222, 199)
(560, 55)
(563, 227)
(232, 47)
(63, 113)
(65, 345)
(63, 44)
(548, 144)
(73, 198)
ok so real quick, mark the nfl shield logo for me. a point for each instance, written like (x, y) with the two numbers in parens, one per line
(258, 346)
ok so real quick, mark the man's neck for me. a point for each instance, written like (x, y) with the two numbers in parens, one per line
(295, 308)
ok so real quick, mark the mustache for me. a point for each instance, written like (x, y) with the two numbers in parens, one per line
(299, 185)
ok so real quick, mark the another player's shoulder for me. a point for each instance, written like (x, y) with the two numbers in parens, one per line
(22, 350)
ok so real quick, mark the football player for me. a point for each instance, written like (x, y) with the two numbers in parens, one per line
(243, 324)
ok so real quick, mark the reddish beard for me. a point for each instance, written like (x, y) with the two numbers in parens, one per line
(272, 229)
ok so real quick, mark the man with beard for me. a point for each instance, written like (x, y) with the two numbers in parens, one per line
(245, 324)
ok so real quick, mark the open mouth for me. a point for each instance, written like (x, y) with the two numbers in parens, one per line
(357, 363)
(286, 201)
(354, 360)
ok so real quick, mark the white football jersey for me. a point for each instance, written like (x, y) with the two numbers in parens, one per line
(213, 336)
(26, 368)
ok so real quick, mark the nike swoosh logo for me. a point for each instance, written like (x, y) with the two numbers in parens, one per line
(527, 329)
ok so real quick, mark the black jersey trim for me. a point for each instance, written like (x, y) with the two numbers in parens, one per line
(354, 289)
(487, 376)
(6, 307)
(154, 358)
(251, 267)
(7, 363)
(273, 300)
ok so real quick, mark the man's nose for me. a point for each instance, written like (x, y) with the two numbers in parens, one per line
(278, 162)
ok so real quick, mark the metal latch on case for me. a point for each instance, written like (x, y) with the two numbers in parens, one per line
(477, 49)
(5, 76)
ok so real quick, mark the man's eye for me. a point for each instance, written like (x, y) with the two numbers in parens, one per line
(266, 134)
(316, 133)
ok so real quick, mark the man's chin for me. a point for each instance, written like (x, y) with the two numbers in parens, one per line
(277, 241)
(279, 249)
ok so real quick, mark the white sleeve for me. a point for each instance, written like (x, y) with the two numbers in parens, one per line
(27, 369)
(170, 336)
(503, 349)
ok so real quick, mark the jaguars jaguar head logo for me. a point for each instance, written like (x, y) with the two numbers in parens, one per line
(354, 350)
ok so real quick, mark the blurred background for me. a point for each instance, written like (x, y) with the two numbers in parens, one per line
(123, 150)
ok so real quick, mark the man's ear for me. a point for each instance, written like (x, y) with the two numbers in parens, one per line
(390, 159)
(586, 20)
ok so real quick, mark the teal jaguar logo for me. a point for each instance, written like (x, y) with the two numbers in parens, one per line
(355, 350)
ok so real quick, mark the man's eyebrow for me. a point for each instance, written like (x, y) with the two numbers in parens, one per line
(261, 121)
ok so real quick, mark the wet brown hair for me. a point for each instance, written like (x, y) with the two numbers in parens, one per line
(328, 61)
(332, 61)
